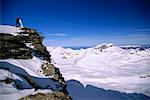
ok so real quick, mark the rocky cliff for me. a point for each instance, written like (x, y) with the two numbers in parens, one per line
(21, 50)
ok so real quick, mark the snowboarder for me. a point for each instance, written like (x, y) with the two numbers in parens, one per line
(19, 22)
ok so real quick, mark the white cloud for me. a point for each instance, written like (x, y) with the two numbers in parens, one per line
(95, 40)
(57, 34)
(142, 30)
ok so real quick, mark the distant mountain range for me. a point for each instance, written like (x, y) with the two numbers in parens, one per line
(141, 47)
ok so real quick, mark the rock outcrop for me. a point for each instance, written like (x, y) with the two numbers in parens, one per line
(26, 45)
(12, 47)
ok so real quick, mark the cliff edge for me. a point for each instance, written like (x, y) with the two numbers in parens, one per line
(26, 71)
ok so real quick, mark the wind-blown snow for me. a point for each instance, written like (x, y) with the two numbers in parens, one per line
(6, 29)
(31, 66)
(22, 67)
(8, 91)
(106, 66)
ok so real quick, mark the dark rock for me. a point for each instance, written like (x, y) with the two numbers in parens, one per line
(49, 96)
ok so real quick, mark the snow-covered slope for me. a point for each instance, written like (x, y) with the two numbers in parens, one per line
(106, 66)
(18, 69)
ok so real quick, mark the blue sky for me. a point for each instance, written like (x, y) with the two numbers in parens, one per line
(82, 22)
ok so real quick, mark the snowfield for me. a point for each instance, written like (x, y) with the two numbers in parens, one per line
(19, 67)
(30, 66)
(105, 66)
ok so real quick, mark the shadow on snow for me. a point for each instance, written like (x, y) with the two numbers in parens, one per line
(27, 81)
(78, 92)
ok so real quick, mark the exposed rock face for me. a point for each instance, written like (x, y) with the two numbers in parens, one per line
(12, 47)
(49, 96)
(33, 37)
(24, 46)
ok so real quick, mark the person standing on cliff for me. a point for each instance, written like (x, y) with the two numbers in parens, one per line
(19, 22)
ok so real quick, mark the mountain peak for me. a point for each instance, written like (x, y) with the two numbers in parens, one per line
(30, 64)
(104, 46)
